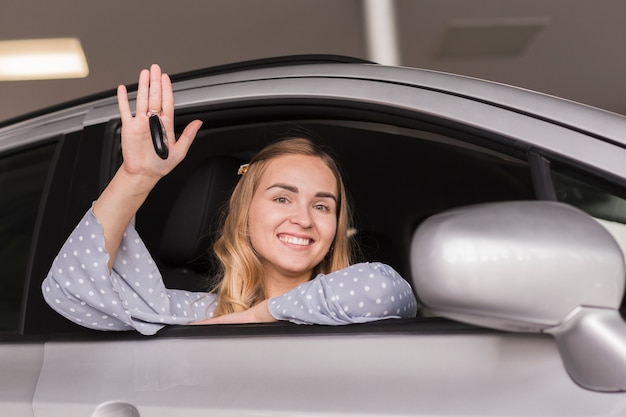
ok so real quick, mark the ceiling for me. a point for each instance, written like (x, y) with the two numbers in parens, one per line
(569, 48)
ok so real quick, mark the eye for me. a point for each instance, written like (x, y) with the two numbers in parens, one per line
(281, 200)
(321, 207)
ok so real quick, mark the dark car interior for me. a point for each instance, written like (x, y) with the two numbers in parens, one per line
(396, 178)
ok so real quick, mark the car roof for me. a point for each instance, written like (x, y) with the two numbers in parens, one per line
(604, 125)
(577, 116)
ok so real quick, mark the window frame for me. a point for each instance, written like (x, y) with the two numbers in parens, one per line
(224, 111)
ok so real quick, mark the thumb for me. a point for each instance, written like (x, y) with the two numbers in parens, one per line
(187, 137)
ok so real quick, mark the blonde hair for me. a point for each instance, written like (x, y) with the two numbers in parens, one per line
(241, 285)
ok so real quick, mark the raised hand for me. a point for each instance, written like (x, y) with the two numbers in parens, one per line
(154, 96)
(142, 168)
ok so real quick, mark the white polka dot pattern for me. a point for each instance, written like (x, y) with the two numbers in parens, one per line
(360, 293)
(80, 287)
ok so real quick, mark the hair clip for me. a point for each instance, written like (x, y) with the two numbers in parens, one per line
(243, 169)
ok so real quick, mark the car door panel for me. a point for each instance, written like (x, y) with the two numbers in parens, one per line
(21, 365)
(334, 375)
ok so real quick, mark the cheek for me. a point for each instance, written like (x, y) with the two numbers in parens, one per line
(262, 220)
(328, 229)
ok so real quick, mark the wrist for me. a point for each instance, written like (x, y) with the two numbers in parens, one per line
(134, 184)
(121, 199)
(262, 313)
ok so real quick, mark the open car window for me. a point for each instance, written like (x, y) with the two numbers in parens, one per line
(396, 177)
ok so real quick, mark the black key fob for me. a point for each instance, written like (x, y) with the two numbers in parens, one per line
(159, 137)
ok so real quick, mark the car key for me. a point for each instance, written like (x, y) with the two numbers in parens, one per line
(159, 136)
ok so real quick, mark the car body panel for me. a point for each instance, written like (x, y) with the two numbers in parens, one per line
(575, 115)
(351, 375)
(522, 131)
(21, 365)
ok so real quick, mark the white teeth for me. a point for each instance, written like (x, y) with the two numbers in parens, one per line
(294, 240)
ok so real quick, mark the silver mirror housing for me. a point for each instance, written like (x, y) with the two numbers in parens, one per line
(530, 266)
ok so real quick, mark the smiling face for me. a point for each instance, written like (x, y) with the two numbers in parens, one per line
(293, 219)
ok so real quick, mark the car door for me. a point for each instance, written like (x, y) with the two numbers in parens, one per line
(25, 171)
(408, 153)
(41, 158)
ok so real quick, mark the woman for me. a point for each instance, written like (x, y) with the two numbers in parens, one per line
(284, 249)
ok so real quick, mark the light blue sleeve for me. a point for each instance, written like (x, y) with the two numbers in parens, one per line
(360, 293)
(133, 296)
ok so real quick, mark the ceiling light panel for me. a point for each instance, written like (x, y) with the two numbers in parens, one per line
(40, 59)
(483, 38)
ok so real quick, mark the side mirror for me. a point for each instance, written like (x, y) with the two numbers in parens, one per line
(530, 266)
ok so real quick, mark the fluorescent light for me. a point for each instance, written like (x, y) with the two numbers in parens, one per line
(40, 59)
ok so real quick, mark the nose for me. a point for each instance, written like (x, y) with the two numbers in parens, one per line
(301, 215)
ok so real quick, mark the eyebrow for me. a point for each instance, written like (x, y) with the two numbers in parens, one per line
(294, 189)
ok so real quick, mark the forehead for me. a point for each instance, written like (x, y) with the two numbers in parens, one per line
(303, 171)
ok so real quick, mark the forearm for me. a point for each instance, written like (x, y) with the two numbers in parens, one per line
(260, 313)
(117, 205)
(133, 295)
(360, 293)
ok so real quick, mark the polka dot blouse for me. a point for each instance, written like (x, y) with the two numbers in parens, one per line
(80, 287)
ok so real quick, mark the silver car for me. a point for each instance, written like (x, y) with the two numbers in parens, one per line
(504, 208)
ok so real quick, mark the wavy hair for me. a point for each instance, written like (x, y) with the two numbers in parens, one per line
(241, 285)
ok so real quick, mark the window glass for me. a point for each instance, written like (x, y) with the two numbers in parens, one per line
(601, 201)
(22, 179)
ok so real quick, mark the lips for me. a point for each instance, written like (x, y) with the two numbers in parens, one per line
(294, 240)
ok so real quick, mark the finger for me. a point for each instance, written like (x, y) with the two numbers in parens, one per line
(122, 103)
(142, 92)
(154, 99)
(186, 138)
(168, 97)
